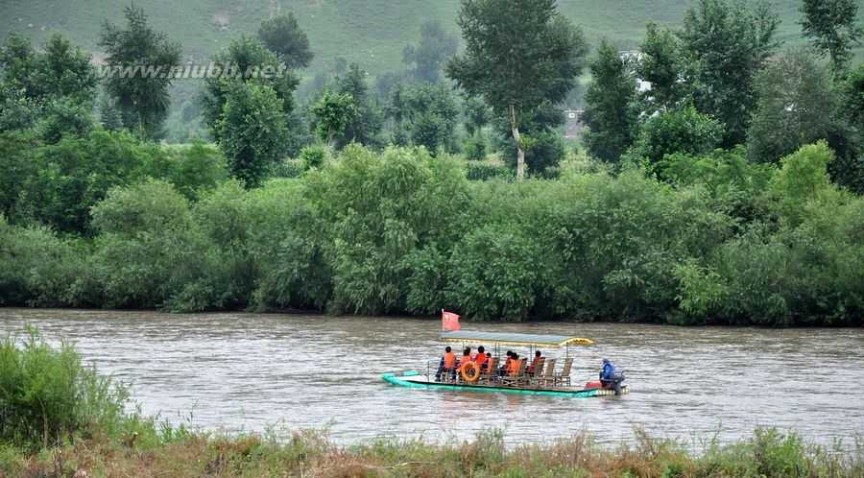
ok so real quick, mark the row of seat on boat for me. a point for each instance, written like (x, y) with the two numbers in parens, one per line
(481, 368)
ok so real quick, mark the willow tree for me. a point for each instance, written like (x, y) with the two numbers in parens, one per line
(518, 55)
(283, 36)
(726, 43)
(611, 112)
(832, 27)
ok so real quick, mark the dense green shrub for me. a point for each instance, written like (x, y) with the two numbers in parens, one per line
(684, 131)
(379, 208)
(18, 164)
(494, 274)
(223, 219)
(427, 282)
(475, 148)
(288, 168)
(47, 395)
(313, 157)
(803, 180)
(193, 169)
(424, 114)
(76, 173)
(57, 184)
(37, 268)
(720, 240)
(481, 171)
(286, 238)
(544, 150)
(734, 186)
(801, 266)
(614, 242)
(149, 251)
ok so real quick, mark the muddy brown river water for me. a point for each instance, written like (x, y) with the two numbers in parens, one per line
(253, 372)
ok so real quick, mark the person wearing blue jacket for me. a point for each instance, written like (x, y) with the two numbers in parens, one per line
(611, 376)
(608, 370)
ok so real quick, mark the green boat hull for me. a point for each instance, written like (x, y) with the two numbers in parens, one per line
(413, 379)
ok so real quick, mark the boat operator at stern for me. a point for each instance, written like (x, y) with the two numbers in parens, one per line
(611, 376)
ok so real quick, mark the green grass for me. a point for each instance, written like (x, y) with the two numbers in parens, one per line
(167, 452)
(370, 32)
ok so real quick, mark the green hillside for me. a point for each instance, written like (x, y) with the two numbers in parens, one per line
(370, 32)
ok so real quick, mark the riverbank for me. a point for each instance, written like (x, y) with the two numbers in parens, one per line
(434, 320)
(768, 453)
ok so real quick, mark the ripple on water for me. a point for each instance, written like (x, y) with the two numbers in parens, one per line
(247, 372)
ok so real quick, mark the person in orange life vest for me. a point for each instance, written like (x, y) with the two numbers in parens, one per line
(448, 364)
(505, 367)
(531, 368)
(514, 365)
(481, 357)
(466, 357)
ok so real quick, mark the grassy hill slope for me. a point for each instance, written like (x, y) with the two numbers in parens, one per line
(370, 32)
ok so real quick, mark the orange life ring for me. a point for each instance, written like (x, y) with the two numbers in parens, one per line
(471, 372)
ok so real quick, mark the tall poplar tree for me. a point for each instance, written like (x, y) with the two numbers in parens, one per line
(518, 55)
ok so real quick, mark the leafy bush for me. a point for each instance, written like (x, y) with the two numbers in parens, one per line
(493, 274)
(313, 157)
(38, 268)
(614, 242)
(18, 165)
(478, 171)
(799, 265)
(684, 131)
(48, 396)
(57, 184)
(227, 275)
(192, 169)
(544, 150)
(721, 240)
(286, 243)
(287, 168)
(736, 186)
(149, 248)
(802, 180)
(76, 173)
(475, 148)
(776, 454)
(380, 208)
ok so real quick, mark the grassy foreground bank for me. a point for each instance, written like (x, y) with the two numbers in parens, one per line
(60, 418)
(767, 453)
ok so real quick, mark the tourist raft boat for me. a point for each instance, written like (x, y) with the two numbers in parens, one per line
(551, 377)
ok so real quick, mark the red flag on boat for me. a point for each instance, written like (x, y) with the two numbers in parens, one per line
(449, 321)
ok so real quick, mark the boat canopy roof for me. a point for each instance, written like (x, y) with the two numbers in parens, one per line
(537, 340)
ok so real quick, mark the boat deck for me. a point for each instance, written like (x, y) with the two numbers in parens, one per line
(413, 379)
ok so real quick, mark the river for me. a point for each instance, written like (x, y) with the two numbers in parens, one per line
(253, 372)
